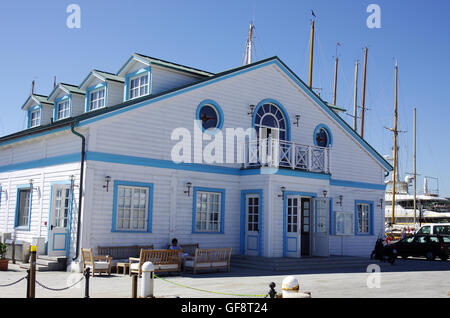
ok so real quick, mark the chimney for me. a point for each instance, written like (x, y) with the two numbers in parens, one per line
(54, 82)
(32, 88)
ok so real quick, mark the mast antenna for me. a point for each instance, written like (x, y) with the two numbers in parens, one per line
(311, 53)
(363, 105)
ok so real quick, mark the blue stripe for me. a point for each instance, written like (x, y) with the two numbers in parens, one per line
(354, 184)
(40, 163)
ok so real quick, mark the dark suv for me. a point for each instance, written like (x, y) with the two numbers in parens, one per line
(430, 246)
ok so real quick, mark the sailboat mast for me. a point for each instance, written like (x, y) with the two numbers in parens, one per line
(335, 80)
(248, 55)
(355, 106)
(311, 54)
(363, 105)
(415, 173)
(394, 175)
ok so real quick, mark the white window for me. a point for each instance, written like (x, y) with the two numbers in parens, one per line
(97, 99)
(363, 218)
(35, 118)
(132, 208)
(138, 86)
(344, 223)
(23, 212)
(208, 211)
(63, 109)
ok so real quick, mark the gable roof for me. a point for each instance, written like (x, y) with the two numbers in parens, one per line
(148, 60)
(38, 99)
(103, 76)
(103, 113)
(67, 88)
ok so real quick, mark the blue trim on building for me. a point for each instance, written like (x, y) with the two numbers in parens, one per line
(243, 222)
(93, 89)
(222, 209)
(286, 194)
(118, 183)
(371, 217)
(16, 226)
(29, 111)
(330, 135)
(220, 117)
(137, 73)
(40, 163)
(355, 184)
(55, 107)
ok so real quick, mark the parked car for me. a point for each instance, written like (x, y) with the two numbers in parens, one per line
(430, 246)
(436, 228)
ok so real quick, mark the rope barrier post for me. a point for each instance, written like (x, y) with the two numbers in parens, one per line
(28, 283)
(134, 286)
(32, 291)
(272, 292)
(148, 270)
(87, 274)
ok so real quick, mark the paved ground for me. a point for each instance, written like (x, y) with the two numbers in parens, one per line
(407, 278)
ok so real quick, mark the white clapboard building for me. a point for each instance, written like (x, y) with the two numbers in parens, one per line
(249, 158)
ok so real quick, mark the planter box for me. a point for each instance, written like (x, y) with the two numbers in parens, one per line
(3, 264)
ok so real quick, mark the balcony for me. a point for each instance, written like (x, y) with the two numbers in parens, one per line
(273, 153)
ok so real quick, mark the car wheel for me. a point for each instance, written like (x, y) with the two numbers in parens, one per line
(430, 256)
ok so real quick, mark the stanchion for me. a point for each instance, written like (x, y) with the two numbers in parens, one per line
(134, 286)
(87, 274)
(32, 279)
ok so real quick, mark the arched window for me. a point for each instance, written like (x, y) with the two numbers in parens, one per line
(322, 136)
(270, 121)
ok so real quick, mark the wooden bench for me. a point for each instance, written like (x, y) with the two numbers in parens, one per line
(121, 254)
(213, 258)
(164, 261)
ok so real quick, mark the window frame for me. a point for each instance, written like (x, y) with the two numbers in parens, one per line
(149, 208)
(134, 75)
(215, 106)
(370, 219)
(328, 132)
(221, 217)
(64, 99)
(94, 89)
(20, 189)
(31, 111)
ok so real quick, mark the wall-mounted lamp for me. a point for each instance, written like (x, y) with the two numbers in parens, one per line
(32, 188)
(297, 120)
(325, 192)
(252, 109)
(188, 188)
(380, 205)
(72, 183)
(340, 200)
(107, 180)
(283, 190)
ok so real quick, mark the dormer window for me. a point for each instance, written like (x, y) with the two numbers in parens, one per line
(138, 86)
(63, 109)
(34, 118)
(97, 99)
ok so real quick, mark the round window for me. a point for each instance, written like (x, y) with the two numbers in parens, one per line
(322, 138)
(208, 117)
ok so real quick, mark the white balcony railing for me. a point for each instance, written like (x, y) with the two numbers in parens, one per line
(274, 153)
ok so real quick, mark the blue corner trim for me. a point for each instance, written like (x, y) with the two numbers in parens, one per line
(149, 186)
(222, 210)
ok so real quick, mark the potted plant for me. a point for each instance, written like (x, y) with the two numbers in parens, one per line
(3, 260)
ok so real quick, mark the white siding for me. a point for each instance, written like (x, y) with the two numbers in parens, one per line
(164, 79)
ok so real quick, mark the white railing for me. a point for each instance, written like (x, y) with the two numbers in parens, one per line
(274, 153)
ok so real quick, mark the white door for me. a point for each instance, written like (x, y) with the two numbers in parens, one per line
(293, 230)
(320, 237)
(253, 210)
(59, 220)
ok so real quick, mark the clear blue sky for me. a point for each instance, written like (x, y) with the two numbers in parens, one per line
(36, 45)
